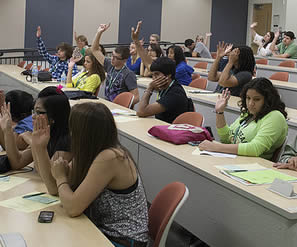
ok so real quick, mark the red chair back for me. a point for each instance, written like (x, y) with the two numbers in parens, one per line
(201, 65)
(288, 63)
(193, 118)
(163, 209)
(280, 76)
(195, 76)
(199, 83)
(262, 61)
(21, 64)
(29, 66)
(124, 99)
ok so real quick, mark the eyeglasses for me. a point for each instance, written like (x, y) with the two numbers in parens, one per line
(38, 112)
(117, 58)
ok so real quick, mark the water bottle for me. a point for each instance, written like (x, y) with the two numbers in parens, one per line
(34, 73)
(63, 78)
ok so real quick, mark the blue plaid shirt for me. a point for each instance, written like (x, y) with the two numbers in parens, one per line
(57, 66)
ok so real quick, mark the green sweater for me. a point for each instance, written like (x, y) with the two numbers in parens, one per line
(257, 139)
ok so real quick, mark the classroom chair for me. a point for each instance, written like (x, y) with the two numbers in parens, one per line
(195, 76)
(280, 76)
(262, 61)
(124, 99)
(199, 83)
(279, 151)
(163, 210)
(46, 69)
(213, 55)
(201, 65)
(288, 63)
(29, 66)
(193, 118)
(21, 64)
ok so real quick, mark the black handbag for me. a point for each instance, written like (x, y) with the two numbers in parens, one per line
(78, 94)
(42, 75)
(4, 164)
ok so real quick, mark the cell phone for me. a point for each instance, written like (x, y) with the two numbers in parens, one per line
(46, 217)
(194, 143)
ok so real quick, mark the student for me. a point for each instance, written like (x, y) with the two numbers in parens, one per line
(103, 181)
(201, 49)
(238, 70)
(59, 62)
(205, 41)
(262, 126)
(119, 78)
(89, 80)
(21, 105)
(190, 46)
(154, 51)
(54, 106)
(172, 99)
(264, 43)
(183, 73)
(134, 61)
(154, 38)
(82, 43)
(287, 48)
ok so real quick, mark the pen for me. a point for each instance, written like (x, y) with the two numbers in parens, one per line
(237, 170)
(37, 194)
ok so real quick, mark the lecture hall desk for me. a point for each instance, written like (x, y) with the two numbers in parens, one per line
(220, 211)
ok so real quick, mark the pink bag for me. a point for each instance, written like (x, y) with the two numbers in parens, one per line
(180, 133)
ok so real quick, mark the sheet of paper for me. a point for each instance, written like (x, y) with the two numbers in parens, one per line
(265, 176)
(215, 154)
(24, 205)
(123, 119)
(11, 182)
(249, 167)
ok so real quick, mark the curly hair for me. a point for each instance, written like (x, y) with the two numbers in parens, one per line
(246, 58)
(179, 55)
(67, 48)
(272, 100)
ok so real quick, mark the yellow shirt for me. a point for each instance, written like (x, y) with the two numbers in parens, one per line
(86, 83)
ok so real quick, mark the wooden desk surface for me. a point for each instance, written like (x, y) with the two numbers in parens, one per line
(63, 231)
(205, 165)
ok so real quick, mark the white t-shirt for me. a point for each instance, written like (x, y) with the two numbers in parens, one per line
(261, 50)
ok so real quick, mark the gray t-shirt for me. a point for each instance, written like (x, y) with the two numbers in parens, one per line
(118, 81)
(202, 50)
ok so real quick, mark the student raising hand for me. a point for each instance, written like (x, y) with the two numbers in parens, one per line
(103, 27)
(135, 33)
(5, 117)
(38, 32)
(41, 131)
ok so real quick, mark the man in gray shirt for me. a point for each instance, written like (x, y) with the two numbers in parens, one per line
(201, 51)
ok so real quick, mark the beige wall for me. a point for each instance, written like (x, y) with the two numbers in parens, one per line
(88, 15)
(12, 23)
(291, 23)
(185, 19)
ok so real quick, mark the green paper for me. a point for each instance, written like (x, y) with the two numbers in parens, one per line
(266, 176)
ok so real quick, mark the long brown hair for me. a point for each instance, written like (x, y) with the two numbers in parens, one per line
(97, 68)
(92, 130)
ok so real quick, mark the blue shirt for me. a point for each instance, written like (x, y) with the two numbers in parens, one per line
(183, 73)
(24, 125)
(57, 66)
(134, 67)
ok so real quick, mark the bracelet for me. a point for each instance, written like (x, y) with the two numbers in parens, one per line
(218, 112)
(62, 184)
(148, 91)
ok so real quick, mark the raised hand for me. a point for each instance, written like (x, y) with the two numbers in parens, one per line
(135, 33)
(60, 169)
(38, 32)
(234, 55)
(208, 34)
(222, 101)
(5, 118)
(221, 47)
(41, 131)
(276, 34)
(103, 27)
(228, 49)
(253, 25)
(73, 60)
